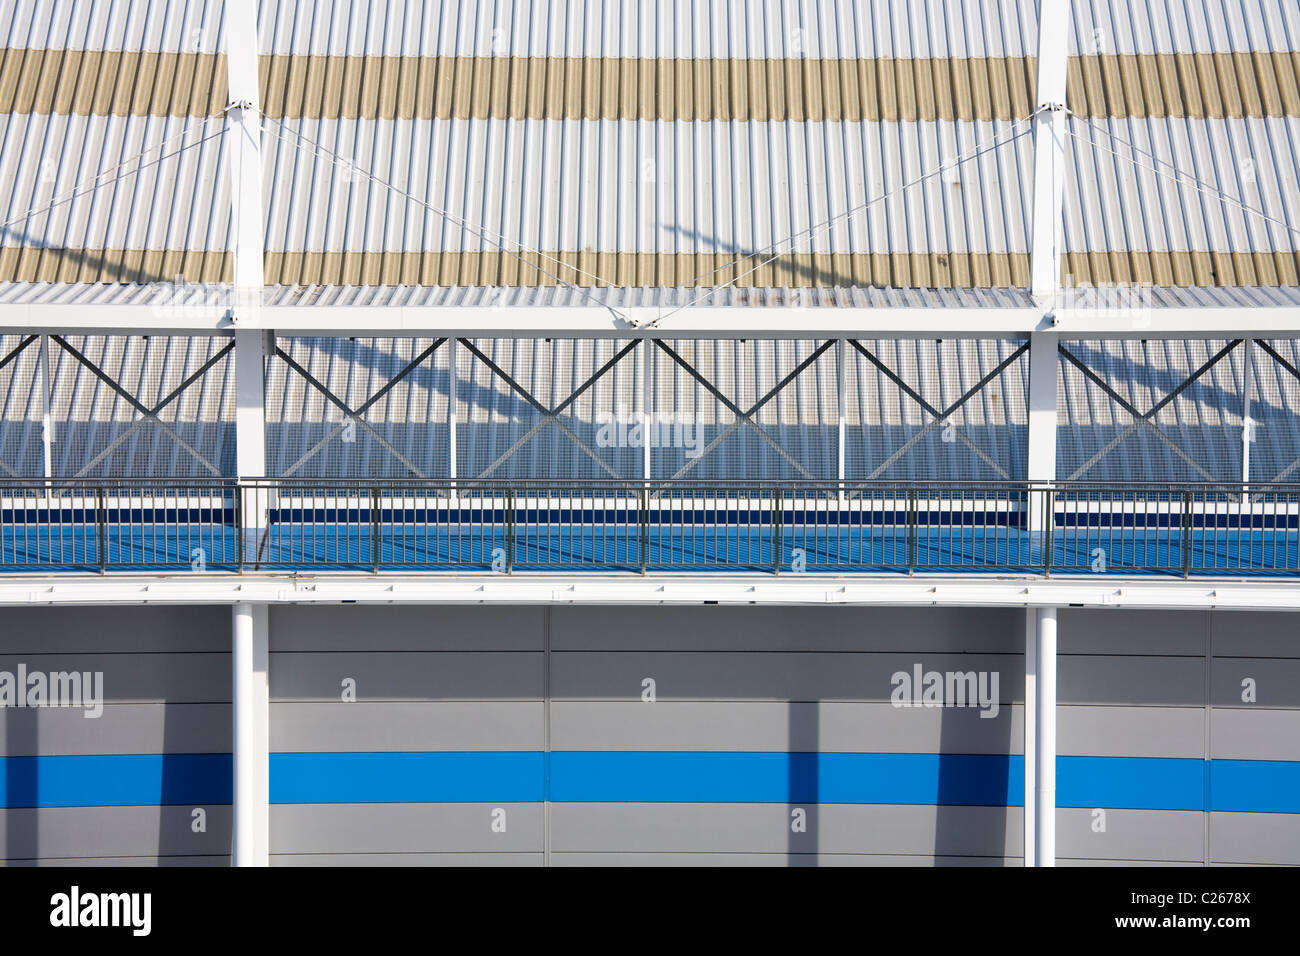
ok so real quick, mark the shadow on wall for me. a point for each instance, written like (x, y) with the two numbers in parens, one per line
(974, 786)
(22, 783)
(804, 782)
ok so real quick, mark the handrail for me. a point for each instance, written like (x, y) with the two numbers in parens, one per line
(640, 526)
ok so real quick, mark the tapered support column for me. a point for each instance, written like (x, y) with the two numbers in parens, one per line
(1045, 741)
(1031, 734)
(250, 707)
(1044, 375)
(1049, 150)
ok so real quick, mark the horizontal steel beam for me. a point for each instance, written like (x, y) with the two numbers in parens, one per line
(696, 322)
(679, 589)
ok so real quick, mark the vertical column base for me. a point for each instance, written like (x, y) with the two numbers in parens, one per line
(251, 711)
(1031, 737)
(1045, 740)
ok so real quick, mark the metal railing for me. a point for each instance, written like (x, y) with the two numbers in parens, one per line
(271, 525)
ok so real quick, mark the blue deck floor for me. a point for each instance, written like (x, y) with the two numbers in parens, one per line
(346, 546)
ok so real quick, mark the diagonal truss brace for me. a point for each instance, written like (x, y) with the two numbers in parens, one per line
(938, 416)
(1277, 357)
(148, 413)
(744, 417)
(549, 415)
(1147, 419)
(17, 350)
(172, 396)
(354, 415)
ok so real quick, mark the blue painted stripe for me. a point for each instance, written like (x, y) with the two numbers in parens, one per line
(118, 780)
(512, 777)
(959, 779)
(1136, 783)
(1155, 783)
(1255, 786)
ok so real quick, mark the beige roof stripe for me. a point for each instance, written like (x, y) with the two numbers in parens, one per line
(640, 89)
(99, 82)
(908, 90)
(1200, 86)
(120, 83)
(1184, 268)
(32, 264)
(899, 270)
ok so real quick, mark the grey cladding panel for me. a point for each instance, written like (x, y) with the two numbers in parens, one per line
(765, 828)
(1150, 633)
(1276, 681)
(770, 726)
(1118, 731)
(760, 675)
(408, 675)
(907, 630)
(1271, 838)
(791, 860)
(59, 630)
(65, 832)
(404, 828)
(367, 726)
(193, 678)
(1066, 861)
(1255, 634)
(407, 859)
(1248, 733)
(1174, 835)
(1112, 679)
(407, 628)
(216, 860)
(121, 729)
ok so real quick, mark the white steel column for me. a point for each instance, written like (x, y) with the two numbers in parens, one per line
(645, 358)
(1247, 423)
(1031, 736)
(250, 708)
(1044, 375)
(1049, 149)
(250, 403)
(841, 349)
(47, 391)
(244, 142)
(453, 409)
(1045, 741)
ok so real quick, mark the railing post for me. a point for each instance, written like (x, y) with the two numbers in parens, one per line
(103, 529)
(1187, 534)
(911, 531)
(643, 526)
(1049, 527)
(776, 531)
(374, 528)
(510, 531)
(239, 528)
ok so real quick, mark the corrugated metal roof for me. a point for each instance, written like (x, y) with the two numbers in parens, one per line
(559, 297)
(647, 204)
(669, 29)
(166, 295)
(131, 25)
(640, 144)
